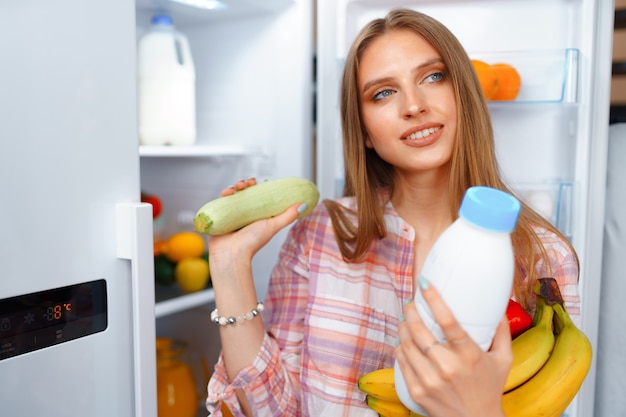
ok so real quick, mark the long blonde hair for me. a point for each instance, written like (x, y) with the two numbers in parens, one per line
(473, 159)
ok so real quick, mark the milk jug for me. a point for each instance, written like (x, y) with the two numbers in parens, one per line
(166, 91)
(471, 265)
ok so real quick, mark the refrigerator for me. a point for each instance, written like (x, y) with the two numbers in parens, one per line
(77, 243)
(79, 309)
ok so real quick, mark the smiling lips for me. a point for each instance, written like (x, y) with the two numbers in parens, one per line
(420, 134)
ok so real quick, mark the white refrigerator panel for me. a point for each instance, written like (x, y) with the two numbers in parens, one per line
(69, 170)
(551, 141)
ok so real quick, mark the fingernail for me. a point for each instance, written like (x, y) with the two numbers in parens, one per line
(302, 208)
(422, 282)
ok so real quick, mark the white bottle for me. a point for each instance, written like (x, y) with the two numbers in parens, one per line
(471, 265)
(166, 91)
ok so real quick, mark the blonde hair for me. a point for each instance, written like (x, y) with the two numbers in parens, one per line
(473, 159)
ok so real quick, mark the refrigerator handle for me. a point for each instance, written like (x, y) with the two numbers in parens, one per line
(135, 243)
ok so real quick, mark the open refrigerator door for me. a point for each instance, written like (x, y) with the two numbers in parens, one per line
(551, 140)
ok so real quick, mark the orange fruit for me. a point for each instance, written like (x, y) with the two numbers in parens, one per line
(183, 245)
(509, 82)
(159, 247)
(487, 76)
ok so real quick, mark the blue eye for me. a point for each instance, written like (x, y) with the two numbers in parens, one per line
(382, 94)
(436, 77)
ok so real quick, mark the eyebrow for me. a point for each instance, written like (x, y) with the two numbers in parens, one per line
(383, 80)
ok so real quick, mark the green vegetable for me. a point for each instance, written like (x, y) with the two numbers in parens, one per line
(261, 201)
(164, 270)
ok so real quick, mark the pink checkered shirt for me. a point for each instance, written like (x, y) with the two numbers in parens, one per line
(328, 322)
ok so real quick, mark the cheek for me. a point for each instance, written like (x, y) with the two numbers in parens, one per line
(377, 126)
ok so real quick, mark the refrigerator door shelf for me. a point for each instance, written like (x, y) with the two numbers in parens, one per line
(553, 200)
(549, 76)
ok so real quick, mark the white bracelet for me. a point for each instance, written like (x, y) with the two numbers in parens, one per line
(223, 321)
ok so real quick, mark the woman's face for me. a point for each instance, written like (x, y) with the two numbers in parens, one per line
(407, 103)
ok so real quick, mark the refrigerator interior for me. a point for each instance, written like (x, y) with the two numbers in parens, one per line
(254, 108)
(551, 140)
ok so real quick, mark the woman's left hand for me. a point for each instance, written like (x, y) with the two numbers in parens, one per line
(457, 378)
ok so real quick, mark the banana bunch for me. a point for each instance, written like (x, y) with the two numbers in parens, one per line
(550, 362)
(549, 391)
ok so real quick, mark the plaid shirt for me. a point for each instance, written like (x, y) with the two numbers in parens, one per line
(328, 322)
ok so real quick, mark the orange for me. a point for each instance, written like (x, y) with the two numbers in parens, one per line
(183, 245)
(509, 82)
(487, 76)
(159, 247)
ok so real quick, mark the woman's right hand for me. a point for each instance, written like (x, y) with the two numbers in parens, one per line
(228, 251)
(456, 378)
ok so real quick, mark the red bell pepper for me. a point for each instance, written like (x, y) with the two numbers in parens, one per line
(157, 206)
(519, 319)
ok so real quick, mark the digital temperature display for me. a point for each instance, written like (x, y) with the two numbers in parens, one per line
(34, 321)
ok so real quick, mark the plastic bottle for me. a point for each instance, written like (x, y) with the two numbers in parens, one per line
(167, 91)
(471, 265)
(176, 389)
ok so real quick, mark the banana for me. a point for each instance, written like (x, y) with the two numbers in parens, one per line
(532, 349)
(389, 408)
(380, 384)
(549, 391)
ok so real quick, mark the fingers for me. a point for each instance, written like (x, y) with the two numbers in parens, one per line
(238, 186)
(417, 330)
(502, 340)
(287, 217)
(503, 333)
(452, 330)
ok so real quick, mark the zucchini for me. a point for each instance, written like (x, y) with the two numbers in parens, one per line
(261, 201)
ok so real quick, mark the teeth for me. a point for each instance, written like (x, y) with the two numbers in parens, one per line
(423, 133)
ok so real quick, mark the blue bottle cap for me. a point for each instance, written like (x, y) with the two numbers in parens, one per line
(490, 209)
(161, 19)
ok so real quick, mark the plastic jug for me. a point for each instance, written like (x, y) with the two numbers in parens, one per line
(472, 266)
(176, 387)
(166, 87)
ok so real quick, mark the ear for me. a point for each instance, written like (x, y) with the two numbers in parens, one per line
(368, 143)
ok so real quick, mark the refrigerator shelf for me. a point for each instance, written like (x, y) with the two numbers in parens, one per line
(171, 300)
(196, 151)
(549, 76)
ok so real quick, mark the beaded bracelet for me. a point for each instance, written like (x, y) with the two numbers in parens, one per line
(223, 321)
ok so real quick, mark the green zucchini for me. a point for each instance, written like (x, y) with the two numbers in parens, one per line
(261, 201)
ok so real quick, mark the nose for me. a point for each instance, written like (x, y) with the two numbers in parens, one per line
(414, 104)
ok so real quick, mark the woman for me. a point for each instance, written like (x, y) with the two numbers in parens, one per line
(417, 134)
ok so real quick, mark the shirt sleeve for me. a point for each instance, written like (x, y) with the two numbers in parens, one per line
(272, 381)
(564, 268)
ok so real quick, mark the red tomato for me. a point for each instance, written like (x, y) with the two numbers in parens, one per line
(157, 207)
(519, 319)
